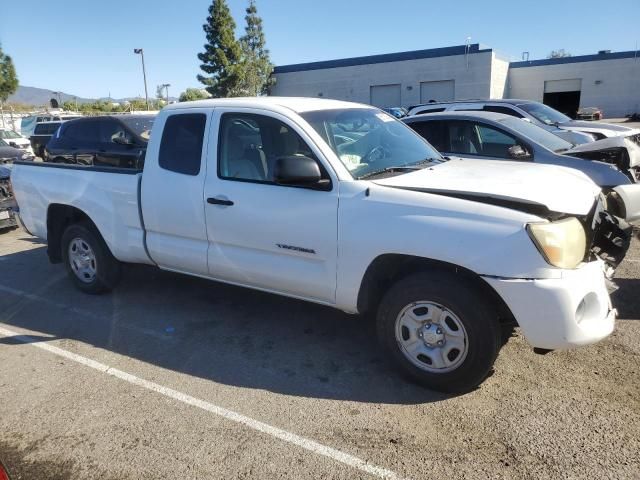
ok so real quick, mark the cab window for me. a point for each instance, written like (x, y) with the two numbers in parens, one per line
(249, 146)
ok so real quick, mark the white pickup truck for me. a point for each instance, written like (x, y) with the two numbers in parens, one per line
(340, 204)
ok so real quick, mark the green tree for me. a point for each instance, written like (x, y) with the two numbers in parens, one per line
(256, 64)
(193, 94)
(222, 53)
(8, 77)
(160, 92)
(559, 54)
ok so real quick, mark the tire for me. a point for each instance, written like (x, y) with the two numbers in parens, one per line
(439, 330)
(89, 262)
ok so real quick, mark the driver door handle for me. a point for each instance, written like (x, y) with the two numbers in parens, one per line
(219, 201)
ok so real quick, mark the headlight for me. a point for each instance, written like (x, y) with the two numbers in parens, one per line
(563, 243)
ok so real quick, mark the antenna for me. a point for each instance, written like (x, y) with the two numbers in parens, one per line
(467, 49)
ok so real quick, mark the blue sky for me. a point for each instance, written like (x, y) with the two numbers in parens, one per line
(86, 47)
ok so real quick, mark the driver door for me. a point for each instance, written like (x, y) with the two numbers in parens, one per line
(261, 234)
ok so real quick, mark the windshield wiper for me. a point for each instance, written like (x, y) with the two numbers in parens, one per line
(426, 161)
(419, 165)
(398, 168)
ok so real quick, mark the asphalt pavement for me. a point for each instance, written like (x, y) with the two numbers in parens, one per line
(176, 377)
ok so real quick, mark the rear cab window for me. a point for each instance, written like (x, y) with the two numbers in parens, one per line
(181, 143)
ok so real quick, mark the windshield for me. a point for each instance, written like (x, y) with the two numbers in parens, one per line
(368, 141)
(8, 134)
(537, 134)
(141, 125)
(544, 113)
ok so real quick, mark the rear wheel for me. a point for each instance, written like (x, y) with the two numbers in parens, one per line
(439, 330)
(89, 262)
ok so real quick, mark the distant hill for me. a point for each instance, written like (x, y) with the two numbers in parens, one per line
(41, 96)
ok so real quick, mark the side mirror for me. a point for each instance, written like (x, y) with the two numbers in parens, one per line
(299, 172)
(517, 152)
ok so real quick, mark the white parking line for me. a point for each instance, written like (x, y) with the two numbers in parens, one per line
(283, 435)
(80, 311)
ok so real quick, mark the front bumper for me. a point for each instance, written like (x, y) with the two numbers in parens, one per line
(562, 313)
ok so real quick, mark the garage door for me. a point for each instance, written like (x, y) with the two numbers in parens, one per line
(385, 95)
(440, 91)
(570, 85)
(563, 95)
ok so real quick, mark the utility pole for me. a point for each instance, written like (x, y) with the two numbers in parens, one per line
(76, 100)
(140, 52)
(166, 89)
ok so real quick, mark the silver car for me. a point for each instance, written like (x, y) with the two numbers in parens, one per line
(573, 131)
(486, 135)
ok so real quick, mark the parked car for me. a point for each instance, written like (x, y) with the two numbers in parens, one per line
(343, 205)
(589, 113)
(116, 141)
(398, 112)
(28, 124)
(7, 202)
(10, 154)
(16, 140)
(484, 135)
(573, 131)
(41, 136)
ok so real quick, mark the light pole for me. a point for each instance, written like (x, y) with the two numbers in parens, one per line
(140, 52)
(166, 89)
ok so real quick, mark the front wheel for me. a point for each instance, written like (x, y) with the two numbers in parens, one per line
(88, 260)
(439, 330)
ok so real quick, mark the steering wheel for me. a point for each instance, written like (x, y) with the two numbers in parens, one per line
(375, 154)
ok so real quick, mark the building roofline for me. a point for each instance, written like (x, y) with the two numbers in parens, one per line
(577, 59)
(383, 58)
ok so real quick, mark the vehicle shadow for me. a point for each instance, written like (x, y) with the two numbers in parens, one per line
(226, 334)
(627, 298)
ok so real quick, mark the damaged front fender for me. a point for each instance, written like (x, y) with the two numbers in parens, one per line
(623, 152)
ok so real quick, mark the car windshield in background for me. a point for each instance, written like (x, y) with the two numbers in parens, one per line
(537, 134)
(369, 141)
(544, 113)
(140, 125)
(8, 134)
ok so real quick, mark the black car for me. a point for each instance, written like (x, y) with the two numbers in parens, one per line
(7, 203)
(108, 141)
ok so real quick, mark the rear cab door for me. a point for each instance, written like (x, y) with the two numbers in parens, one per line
(171, 193)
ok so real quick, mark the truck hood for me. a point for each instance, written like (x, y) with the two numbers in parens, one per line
(532, 188)
(608, 129)
(630, 142)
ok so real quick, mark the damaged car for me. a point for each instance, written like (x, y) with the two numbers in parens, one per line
(343, 205)
(621, 151)
(494, 136)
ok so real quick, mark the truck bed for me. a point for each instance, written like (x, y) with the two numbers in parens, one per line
(109, 196)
